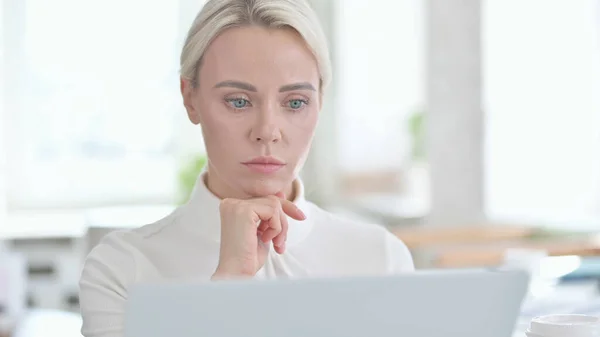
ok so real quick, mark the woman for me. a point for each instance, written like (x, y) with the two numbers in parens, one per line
(253, 73)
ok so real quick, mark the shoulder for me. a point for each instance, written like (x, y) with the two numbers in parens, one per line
(108, 272)
(115, 257)
(375, 239)
(111, 263)
(110, 269)
(117, 254)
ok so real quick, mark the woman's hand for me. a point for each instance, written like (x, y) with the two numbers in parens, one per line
(247, 227)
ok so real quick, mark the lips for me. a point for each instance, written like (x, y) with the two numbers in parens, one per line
(265, 164)
(265, 161)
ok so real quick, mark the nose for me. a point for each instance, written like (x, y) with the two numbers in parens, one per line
(266, 129)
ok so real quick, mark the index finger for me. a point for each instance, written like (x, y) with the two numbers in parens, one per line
(292, 210)
(279, 240)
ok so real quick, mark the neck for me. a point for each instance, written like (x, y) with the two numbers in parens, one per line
(222, 190)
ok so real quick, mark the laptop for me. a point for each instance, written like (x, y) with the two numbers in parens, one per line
(459, 303)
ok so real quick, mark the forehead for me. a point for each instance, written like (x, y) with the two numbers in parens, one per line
(259, 55)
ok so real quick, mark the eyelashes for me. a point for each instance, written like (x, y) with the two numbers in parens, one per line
(241, 103)
(238, 103)
(297, 104)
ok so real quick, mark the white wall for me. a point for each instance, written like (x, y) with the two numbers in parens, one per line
(321, 170)
(380, 81)
(543, 107)
(188, 140)
(455, 119)
(2, 125)
(62, 111)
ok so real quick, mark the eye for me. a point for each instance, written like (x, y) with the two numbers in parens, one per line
(296, 104)
(238, 103)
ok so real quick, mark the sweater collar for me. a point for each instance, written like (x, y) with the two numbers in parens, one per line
(202, 212)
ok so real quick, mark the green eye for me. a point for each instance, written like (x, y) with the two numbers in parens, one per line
(296, 104)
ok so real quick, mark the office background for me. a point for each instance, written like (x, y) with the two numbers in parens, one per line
(455, 123)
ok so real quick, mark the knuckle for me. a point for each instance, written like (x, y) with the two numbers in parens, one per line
(242, 209)
(274, 202)
(229, 205)
(228, 202)
(278, 225)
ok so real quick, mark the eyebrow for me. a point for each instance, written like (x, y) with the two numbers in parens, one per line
(250, 87)
(236, 84)
(297, 86)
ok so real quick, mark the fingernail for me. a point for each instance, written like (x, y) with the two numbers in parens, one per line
(302, 214)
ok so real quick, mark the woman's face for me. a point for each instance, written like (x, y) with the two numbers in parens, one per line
(257, 99)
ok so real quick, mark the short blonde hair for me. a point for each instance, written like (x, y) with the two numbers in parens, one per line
(219, 15)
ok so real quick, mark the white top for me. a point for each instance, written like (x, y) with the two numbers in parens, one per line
(185, 246)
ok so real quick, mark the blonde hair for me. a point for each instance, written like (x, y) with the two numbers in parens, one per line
(219, 15)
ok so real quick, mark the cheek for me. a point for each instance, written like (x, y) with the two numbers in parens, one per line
(219, 128)
(305, 124)
(301, 133)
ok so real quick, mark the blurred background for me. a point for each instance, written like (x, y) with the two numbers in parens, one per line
(469, 128)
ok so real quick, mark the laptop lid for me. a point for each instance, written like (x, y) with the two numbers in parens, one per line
(461, 303)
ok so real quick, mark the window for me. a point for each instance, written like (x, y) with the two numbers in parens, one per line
(93, 113)
(542, 73)
(380, 72)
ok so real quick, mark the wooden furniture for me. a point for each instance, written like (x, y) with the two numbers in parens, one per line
(416, 237)
(493, 254)
(485, 245)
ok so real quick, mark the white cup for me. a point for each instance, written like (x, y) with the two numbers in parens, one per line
(564, 326)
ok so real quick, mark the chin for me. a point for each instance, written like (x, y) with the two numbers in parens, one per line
(265, 187)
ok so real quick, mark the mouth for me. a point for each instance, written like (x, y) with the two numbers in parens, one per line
(264, 164)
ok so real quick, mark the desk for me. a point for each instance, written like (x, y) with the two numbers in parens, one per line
(485, 245)
(580, 297)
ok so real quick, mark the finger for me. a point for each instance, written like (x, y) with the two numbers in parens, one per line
(280, 239)
(273, 229)
(263, 211)
(259, 233)
(273, 225)
(272, 232)
(263, 226)
(292, 210)
(281, 249)
(267, 216)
